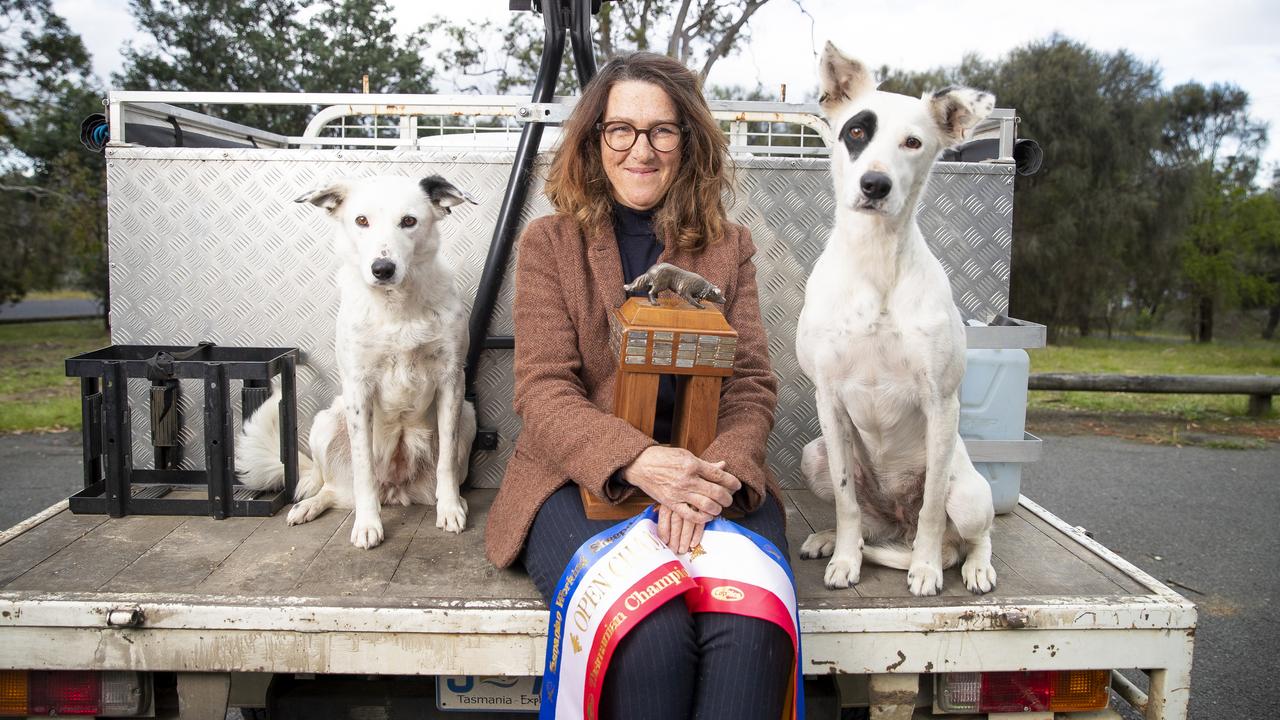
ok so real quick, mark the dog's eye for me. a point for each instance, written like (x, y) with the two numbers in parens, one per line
(857, 133)
(362, 221)
(408, 221)
(912, 143)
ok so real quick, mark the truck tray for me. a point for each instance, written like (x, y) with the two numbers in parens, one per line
(252, 594)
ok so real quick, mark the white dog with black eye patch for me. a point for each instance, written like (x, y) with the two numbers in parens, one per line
(401, 430)
(882, 340)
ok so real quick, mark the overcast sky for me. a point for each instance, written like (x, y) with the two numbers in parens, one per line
(1222, 41)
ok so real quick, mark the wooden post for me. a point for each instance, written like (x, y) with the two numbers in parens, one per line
(1259, 405)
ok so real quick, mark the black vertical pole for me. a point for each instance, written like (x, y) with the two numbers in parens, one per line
(495, 264)
(584, 58)
(119, 439)
(91, 429)
(217, 439)
(289, 425)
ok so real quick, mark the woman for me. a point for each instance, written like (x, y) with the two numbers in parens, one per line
(639, 178)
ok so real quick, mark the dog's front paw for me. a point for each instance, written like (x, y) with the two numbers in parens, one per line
(367, 532)
(819, 545)
(925, 578)
(451, 514)
(304, 511)
(978, 575)
(843, 572)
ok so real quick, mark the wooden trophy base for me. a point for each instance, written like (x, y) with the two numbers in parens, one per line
(597, 509)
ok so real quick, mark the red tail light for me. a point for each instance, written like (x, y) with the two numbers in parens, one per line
(105, 694)
(1039, 690)
(1016, 692)
(65, 693)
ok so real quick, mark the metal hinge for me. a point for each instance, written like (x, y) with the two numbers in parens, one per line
(130, 616)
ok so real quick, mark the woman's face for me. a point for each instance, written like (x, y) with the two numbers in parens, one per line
(640, 177)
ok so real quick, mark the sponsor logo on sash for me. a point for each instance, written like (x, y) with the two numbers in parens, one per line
(727, 593)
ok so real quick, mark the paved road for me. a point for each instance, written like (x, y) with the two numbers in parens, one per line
(1200, 517)
(35, 472)
(44, 309)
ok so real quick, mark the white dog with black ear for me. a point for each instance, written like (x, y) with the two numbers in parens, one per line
(882, 340)
(401, 430)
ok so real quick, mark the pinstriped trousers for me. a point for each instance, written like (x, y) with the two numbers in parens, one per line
(674, 664)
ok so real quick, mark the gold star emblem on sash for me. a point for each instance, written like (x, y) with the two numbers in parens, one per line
(577, 647)
(696, 552)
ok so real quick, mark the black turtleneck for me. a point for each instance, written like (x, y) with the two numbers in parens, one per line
(639, 249)
(637, 242)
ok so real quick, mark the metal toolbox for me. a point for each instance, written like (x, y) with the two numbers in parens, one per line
(208, 244)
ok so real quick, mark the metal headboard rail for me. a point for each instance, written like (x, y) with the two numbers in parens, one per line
(741, 118)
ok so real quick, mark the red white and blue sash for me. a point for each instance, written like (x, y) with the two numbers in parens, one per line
(624, 573)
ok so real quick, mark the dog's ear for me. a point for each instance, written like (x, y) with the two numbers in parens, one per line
(957, 109)
(443, 194)
(842, 79)
(330, 198)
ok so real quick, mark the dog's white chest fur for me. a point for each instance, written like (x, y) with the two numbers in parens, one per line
(400, 342)
(866, 332)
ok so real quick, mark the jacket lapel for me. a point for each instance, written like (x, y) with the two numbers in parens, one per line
(606, 266)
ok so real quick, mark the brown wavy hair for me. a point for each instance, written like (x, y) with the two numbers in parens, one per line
(693, 210)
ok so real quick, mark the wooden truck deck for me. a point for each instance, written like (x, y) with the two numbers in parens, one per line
(252, 594)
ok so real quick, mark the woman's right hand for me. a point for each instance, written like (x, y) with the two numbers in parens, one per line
(690, 486)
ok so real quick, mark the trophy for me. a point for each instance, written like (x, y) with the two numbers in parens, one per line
(668, 336)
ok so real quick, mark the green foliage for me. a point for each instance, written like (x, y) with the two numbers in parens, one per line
(1229, 252)
(1223, 249)
(1098, 118)
(226, 45)
(349, 39)
(45, 178)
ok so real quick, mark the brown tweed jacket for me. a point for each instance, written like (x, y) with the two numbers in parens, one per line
(566, 281)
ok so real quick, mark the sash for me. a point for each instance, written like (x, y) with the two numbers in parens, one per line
(625, 572)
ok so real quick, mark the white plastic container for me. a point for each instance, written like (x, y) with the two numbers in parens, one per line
(993, 415)
(993, 394)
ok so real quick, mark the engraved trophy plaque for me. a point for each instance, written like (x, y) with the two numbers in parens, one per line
(670, 338)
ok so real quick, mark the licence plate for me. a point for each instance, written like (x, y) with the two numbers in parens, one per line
(488, 693)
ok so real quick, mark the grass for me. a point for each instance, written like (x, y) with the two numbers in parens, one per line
(1219, 421)
(1156, 356)
(59, 295)
(35, 393)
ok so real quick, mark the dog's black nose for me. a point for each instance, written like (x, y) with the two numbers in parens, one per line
(383, 269)
(876, 185)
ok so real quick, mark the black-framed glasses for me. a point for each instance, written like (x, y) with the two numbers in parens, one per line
(621, 136)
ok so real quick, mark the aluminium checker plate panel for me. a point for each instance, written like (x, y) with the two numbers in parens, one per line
(207, 244)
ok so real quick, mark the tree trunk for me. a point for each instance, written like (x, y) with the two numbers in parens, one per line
(1273, 319)
(1204, 331)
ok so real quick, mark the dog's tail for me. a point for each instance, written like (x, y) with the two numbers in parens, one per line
(258, 465)
(816, 469)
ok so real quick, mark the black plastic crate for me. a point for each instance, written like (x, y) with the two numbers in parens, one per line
(112, 485)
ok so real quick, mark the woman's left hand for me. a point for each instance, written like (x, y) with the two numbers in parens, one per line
(679, 534)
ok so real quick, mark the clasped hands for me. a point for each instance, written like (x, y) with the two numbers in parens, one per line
(690, 492)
